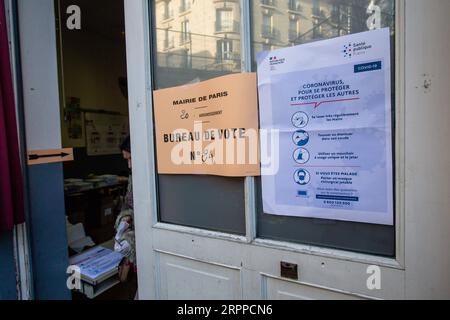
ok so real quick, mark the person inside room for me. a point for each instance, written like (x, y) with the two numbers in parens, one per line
(124, 240)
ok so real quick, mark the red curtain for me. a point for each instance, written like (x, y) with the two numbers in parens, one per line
(11, 183)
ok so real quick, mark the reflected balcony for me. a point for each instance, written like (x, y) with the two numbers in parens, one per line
(269, 3)
(228, 26)
(185, 38)
(269, 32)
(169, 43)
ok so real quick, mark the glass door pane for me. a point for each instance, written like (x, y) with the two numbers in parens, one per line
(200, 41)
(278, 24)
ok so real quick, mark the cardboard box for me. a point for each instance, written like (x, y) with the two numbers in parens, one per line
(76, 217)
(76, 208)
(107, 214)
(102, 234)
(101, 212)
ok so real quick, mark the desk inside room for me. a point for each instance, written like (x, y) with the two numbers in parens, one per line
(95, 205)
(104, 284)
(92, 206)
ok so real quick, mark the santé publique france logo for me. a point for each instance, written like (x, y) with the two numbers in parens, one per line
(348, 51)
(356, 49)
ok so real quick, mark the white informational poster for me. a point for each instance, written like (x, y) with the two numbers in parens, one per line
(105, 133)
(330, 101)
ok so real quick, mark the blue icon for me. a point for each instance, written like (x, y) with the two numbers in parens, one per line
(301, 156)
(300, 119)
(302, 193)
(300, 138)
(302, 177)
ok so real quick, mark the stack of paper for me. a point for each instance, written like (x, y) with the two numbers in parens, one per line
(110, 179)
(97, 263)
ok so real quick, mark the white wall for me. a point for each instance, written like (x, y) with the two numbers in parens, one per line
(40, 74)
(427, 149)
(92, 65)
(93, 60)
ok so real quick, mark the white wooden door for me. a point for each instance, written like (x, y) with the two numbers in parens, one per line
(178, 262)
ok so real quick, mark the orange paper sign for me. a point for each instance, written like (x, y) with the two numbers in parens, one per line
(209, 128)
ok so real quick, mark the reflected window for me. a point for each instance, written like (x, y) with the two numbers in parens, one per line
(224, 20)
(295, 5)
(207, 45)
(224, 50)
(185, 5)
(293, 22)
(267, 26)
(270, 3)
(316, 8)
(201, 43)
(185, 33)
(293, 30)
(168, 10)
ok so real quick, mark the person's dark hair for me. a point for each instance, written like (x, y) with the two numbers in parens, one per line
(126, 145)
